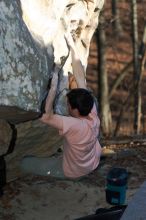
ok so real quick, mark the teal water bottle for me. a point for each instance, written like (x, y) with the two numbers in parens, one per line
(116, 186)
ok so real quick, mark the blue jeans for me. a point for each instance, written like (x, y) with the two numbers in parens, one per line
(44, 166)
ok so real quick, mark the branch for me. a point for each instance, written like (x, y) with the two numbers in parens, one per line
(120, 77)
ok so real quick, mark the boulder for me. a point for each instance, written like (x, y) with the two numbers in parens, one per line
(32, 40)
(25, 67)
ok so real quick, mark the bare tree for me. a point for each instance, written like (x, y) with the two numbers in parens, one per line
(104, 106)
(137, 95)
(117, 28)
(119, 78)
(125, 104)
(142, 58)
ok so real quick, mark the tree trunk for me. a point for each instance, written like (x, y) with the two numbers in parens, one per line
(137, 94)
(117, 28)
(104, 106)
(142, 59)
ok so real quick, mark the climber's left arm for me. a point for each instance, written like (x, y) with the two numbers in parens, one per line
(49, 117)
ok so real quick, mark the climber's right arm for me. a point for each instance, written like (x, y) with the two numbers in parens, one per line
(78, 69)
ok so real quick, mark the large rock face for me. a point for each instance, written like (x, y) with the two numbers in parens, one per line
(32, 39)
(24, 66)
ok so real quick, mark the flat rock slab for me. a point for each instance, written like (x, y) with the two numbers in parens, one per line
(136, 209)
(17, 115)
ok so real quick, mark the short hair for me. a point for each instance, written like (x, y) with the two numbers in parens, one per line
(81, 99)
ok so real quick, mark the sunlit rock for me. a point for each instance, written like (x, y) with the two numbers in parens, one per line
(32, 39)
(24, 66)
(55, 19)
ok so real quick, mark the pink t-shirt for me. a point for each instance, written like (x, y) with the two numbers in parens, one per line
(81, 146)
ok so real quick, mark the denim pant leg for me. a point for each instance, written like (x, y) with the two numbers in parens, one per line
(44, 166)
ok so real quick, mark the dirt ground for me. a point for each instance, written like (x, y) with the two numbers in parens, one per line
(35, 197)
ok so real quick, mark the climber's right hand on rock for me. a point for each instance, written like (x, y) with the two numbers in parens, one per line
(69, 40)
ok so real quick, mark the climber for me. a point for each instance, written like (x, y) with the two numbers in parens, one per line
(81, 148)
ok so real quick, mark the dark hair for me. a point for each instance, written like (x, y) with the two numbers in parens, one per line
(82, 100)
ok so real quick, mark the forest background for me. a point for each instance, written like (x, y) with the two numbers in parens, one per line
(116, 68)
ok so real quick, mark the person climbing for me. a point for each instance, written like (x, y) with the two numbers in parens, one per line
(80, 130)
